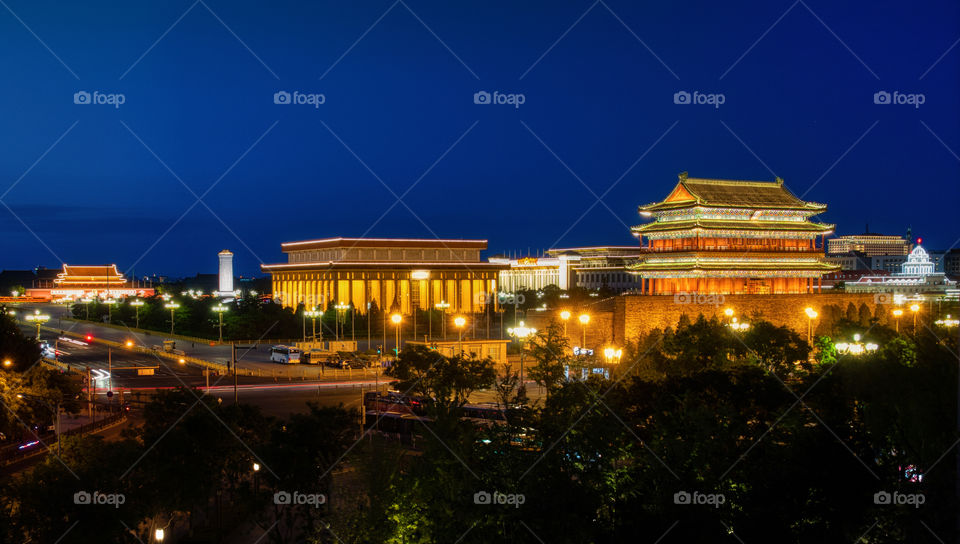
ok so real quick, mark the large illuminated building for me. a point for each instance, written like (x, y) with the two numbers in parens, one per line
(100, 281)
(712, 236)
(392, 273)
(591, 268)
(869, 243)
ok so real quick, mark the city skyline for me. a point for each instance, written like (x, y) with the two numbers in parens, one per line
(613, 107)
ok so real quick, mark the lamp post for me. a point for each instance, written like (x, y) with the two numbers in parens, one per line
(897, 314)
(584, 319)
(158, 535)
(86, 306)
(39, 319)
(137, 303)
(442, 306)
(915, 308)
(521, 333)
(110, 302)
(460, 321)
(220, 308)
(172, 306)
(313, 315)
(856, 347)
(565, 316)
(811, 315)
(340, 307)
(612, 355)
(397, 318)
(728, 312)
(256, 479)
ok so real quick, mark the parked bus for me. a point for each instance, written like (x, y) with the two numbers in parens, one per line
(284, 354)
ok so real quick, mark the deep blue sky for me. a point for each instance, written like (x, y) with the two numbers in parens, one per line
(798, 84)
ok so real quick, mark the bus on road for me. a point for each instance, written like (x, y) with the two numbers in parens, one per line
(285, 354)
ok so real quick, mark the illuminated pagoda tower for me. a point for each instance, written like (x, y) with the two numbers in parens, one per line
(713, 236)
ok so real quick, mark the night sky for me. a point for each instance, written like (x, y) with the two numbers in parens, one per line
(95, 183)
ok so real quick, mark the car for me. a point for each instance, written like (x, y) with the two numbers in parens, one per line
(336, 362)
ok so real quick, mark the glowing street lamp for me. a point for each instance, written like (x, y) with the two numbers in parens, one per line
(565, 316)
(86, 305)
(811, 315)
(340, 307)
(39, 319)
(397, 319)
(158, 535)
(612, 355)
(948, 322)
(728, 312)
(313, 315)
(137, 303)
(110, 302)
(584, 319)
(460, 321)
(172, 306)
(7, 363)
(220, 308)
(442, 306)
(856, 347)
(898, 313)
(915, 308)
(521, 333)
(738, 325)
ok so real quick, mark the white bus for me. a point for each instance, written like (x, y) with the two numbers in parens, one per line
(284, 354)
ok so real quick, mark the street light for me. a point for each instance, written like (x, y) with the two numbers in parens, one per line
(220, 308)
(158, 535)
(897, 314)
(86, 305)
(915, 308)
(565, 316)
(313, 315)
(728, 312)
(584, 319)
(110, 302)
(7, 363)
(172, 306)
(856, 347)
(612, 355)
(397, 318)
(521, 333)
(811, 315)
(137, 303)
(738, 326)
(442, 306)
(340, 307)
(39, 318)
(256, 479)
(460, 321)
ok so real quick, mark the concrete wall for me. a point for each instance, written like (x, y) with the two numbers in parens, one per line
(637, 314)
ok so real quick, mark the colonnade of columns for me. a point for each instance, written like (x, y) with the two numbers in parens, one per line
(464, 291)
